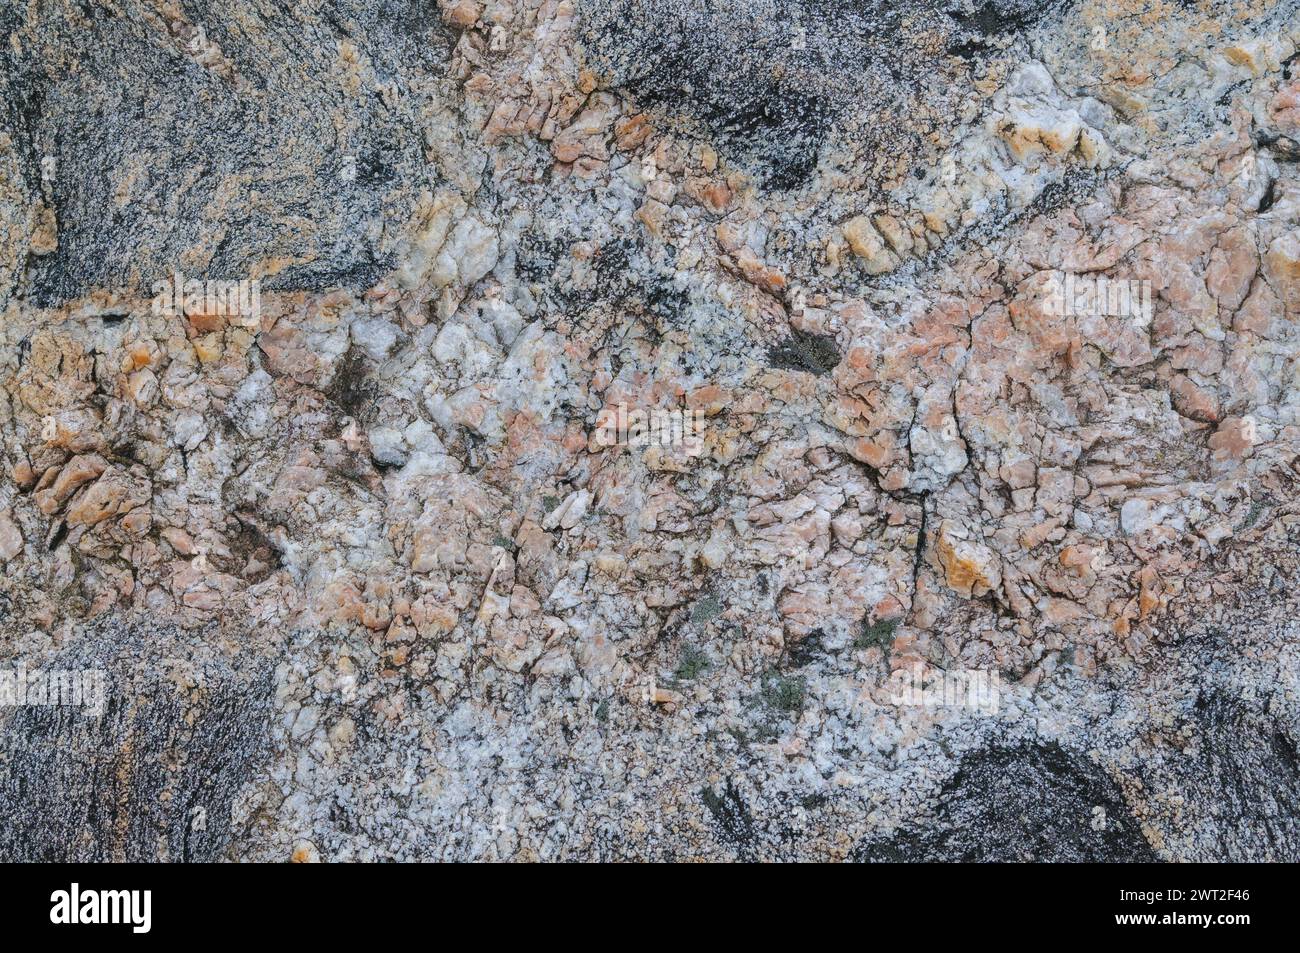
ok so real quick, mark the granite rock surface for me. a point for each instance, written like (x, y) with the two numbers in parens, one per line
(651, 429)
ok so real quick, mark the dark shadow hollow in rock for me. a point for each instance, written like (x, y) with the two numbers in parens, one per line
(806, 352)
(154, 777)
(1031, 803)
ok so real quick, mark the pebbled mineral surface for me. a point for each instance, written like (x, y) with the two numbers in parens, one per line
(650, 429)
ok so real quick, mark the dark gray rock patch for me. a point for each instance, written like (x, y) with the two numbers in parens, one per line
(154, 776)
(1022, 804)
(235, 140)
(769, 81)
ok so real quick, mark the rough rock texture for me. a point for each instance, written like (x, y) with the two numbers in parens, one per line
(1022, 804)
(423, 610)
(157, 774)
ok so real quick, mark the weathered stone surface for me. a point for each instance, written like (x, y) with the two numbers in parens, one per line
(154, 772)
(632, 394)
(1023, 804)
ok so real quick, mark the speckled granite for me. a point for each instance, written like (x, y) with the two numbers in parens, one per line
(978, 323)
